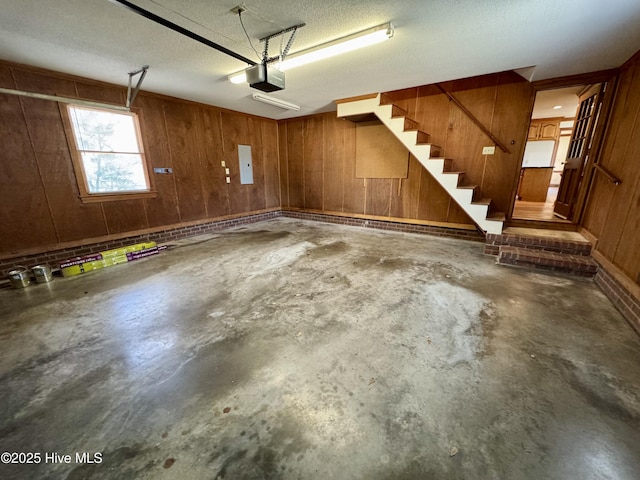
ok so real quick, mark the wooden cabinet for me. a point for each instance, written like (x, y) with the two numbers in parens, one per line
(544, 129)
(534, 184)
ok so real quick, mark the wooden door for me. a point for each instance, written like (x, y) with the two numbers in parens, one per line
(579, 149)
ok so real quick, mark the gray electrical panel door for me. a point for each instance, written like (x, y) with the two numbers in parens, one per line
(246, 164)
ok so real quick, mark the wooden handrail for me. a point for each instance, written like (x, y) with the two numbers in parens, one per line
(479, 124)
(615, 180)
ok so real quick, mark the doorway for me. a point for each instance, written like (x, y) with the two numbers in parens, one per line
(552, 125)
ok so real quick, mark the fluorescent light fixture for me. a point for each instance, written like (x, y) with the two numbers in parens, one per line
(557, 107)
(261, 97)
(349, 43)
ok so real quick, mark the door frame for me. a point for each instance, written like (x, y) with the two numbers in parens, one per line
(610, 77)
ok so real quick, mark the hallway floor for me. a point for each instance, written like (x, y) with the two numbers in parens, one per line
(301, 350)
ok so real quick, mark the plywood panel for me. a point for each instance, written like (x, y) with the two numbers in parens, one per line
(457, 214)
(102, 93)
(216, 191)
(622, 159)
(163, 209)
(612, 213)
(432, 113)
(433, 200)
(627, 255)
(6, 77)
(183, 137)
(333, 184)
(405, 194)
(405, 99)
(354, 191)
(235, 131)
(313, 161)
(24, 216)
(283, 160)
(295, 162)
(465, 140)
(601, 195)
(378, 196)
(125, 215)
(271, 164)
(72, 219)
(379, 154)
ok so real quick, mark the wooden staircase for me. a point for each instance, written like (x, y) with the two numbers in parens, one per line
(430, 157)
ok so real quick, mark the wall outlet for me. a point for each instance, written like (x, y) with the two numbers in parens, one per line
(489, 150)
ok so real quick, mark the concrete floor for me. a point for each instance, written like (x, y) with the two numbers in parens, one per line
(300, 350)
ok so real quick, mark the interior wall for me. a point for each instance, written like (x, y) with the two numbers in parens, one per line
(39, 197)
(612, 213)
(317, 153)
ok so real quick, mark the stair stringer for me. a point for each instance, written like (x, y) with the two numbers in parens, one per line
(450, 181)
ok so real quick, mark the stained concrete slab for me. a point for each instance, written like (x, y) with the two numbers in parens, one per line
(299, 350)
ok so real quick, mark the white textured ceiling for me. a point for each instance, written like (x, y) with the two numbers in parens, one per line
(434, 41)
(565, 98)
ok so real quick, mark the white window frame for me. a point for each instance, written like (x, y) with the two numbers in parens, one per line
(86, 195)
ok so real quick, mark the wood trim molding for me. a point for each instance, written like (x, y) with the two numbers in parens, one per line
(635, 59)
(589, 236)
(574, 80)
(355, 99)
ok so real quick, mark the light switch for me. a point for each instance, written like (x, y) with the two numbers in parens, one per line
(228, 180)
(223, 163)
(226, 170)
(489, 150)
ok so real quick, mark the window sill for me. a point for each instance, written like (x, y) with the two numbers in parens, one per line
(114, 197)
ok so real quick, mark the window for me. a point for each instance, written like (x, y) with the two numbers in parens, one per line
(110, 162)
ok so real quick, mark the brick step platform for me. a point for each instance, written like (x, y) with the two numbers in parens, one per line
(571, 243)
(577, 265)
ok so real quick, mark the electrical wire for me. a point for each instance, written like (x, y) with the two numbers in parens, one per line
(245, 32)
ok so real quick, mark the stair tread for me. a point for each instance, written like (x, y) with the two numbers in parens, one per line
(497, 217)
(397, 111)
(545, 260)
(484, 201)
(570, 237)
(570, 243)
(470, 187)
(534, 253)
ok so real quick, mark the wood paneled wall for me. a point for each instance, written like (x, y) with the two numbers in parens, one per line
(317, 153)
(612, 212)
(40, 207)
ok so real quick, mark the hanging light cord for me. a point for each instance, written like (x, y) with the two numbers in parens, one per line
(245, 32)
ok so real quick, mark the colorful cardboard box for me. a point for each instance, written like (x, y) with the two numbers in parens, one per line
(107, 258)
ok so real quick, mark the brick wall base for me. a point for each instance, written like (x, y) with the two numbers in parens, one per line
(627, 303)
(459, 233)
(54, 257)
